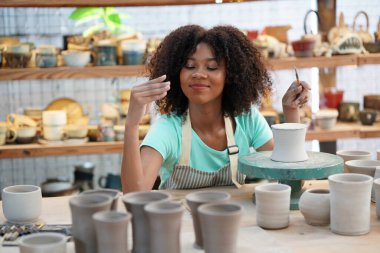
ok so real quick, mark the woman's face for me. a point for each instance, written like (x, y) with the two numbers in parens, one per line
(202, 78)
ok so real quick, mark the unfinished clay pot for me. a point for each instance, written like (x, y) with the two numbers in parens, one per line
(112, 231)
(194, 200)
(272, 205)
(165, 219)
(350, 200)
(220, 223)
(376, 186)
(289, 142)
(314, 204)
(83, 230)
(349, 155)
(113, 193)
(134, 203)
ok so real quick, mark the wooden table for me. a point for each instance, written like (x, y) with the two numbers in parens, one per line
(298, 237)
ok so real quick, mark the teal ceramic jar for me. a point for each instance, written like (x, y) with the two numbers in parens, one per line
(105, 55)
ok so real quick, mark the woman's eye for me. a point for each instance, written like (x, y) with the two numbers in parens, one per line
(189, 66)
(212, 68)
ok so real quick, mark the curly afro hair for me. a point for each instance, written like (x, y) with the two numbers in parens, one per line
(247, 79)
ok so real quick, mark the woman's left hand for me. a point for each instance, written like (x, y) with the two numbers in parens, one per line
(296, 96)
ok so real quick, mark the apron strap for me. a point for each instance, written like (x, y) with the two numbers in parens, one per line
(233, 151)
(186, 141)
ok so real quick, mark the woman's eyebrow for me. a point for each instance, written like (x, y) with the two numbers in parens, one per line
(207, 59)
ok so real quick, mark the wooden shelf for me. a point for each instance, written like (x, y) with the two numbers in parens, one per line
(90, 3)
(125, 71)
(341, 131)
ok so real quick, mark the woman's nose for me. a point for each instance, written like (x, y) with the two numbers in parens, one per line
(199, 74)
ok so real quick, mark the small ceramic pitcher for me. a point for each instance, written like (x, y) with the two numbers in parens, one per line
(350, 202)
(134, 203)
(165, 219)
(194, 200)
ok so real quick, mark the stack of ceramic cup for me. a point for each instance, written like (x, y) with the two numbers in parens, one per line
(53, 125)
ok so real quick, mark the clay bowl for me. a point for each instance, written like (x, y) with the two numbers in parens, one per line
(76, 58)
(326, 119)
(367, 167)
(372, 47)
(17, 60)
(367, 117)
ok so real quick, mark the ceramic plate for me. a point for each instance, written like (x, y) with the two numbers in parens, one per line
(73, 109)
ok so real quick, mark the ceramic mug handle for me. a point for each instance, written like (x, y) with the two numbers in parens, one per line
(102, 181)
(11, 135)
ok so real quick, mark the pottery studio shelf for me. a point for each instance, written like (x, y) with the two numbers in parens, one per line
(340, 131)
(125, 71)
(89, 3)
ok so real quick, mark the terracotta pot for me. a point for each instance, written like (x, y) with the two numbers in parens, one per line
(289, 135)
(165, 219)
(272, 205)
(314, 204)
(333, 98)
(350, 200)
(83, 230)
(220, 224)
(134, 203)
(194, 200)
(112, 231)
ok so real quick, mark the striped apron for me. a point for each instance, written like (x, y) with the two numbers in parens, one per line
(185, 177)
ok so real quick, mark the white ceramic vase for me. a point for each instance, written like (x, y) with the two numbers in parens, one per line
(350, 200)
(289, 142)
(314, 204)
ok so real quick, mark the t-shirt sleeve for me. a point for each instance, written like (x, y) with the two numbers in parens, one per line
(162, 137)
(262, 132)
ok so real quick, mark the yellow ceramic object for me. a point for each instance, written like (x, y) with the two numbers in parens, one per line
(73, 109)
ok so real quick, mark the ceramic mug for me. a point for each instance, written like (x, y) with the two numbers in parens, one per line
(110, 181)
(22, 203)
(7, 135)
(43, 243)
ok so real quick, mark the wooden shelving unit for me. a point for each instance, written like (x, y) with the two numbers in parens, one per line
(82, 3)
(125, 71)
(340, 131)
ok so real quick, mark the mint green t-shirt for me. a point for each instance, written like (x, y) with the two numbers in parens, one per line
(165, 136)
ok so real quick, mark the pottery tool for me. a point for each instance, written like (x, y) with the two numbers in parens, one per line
(318, 166)
(298, 80)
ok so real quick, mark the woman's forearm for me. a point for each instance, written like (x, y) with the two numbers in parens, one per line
(132, 176)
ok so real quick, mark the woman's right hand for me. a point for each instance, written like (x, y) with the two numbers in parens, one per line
(143, 95)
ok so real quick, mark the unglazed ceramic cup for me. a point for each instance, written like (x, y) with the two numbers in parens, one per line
(378, 154)
(350, 203)
(134, 203)
(272, 205)
(111, 229)
(194, 200)
(220, 224)
(43, 243)
(22, 203)
(376, 186)
(165, 219)
(113, 193)
(348, 155)
(289, 142)
(366, 167)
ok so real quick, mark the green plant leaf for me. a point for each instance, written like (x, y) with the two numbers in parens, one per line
(80, 13)
(86, 19)
(91, 30)
(114, 18)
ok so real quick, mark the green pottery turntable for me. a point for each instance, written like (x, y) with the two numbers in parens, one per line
(318, 166)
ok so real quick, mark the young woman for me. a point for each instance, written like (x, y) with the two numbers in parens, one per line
(206, 84)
